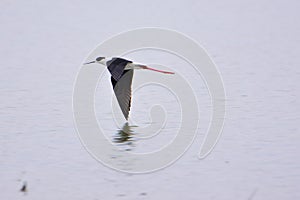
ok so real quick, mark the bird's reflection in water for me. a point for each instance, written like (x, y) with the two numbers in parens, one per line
(124, 137)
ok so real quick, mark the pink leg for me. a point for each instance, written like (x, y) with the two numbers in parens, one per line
(156, 70)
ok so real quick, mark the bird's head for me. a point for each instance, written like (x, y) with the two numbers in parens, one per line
(99, 60)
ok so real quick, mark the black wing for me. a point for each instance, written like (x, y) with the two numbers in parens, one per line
(116, 67)
(122, 89)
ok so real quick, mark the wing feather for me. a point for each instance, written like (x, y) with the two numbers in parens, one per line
(116, 67)
(122, 89)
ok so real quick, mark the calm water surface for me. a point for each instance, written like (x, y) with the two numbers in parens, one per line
(256, 50)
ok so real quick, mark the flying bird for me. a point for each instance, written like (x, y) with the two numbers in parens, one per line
(121, 71)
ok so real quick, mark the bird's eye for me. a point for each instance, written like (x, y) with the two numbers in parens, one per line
(99, 58)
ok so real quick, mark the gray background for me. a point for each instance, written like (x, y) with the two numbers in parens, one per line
(255, 45)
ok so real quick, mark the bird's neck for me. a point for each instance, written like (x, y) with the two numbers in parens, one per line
(104, 61)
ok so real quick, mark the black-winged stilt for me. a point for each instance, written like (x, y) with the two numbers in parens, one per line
(121, 71)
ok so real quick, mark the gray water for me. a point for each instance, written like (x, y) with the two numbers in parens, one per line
(255, 45)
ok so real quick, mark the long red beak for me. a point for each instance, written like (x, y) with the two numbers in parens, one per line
(156, 70)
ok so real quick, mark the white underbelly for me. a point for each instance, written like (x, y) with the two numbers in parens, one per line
(132, 66)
